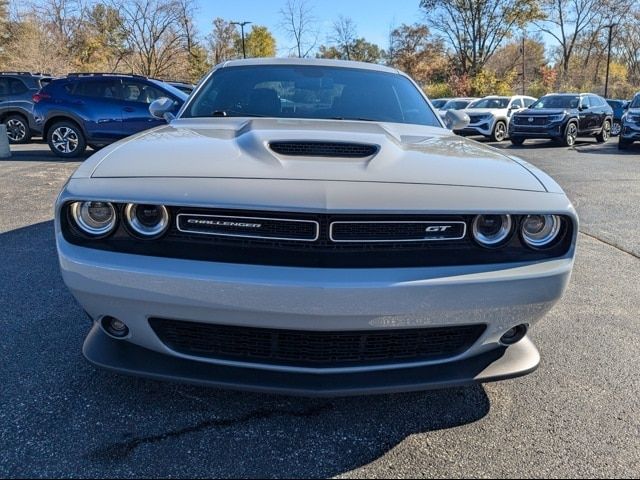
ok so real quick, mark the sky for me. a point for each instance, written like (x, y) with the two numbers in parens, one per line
(373, 18)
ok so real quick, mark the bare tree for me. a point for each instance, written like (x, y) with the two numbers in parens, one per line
(475, 29)
(156, 40)
(299, 22)
(566, 21)
(344, 35)
(222, 41)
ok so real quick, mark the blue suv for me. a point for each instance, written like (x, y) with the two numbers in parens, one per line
(97, 109)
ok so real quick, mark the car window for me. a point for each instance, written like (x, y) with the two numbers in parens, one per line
(319, 92)
(517, 103)
(585, 102)
(455, 105)
(635, 103)
(497, 103)
(135, 91)
(16, 87)
(439, 102)
(103, 88)
(4, 87)
(557, 101)
(528, 102)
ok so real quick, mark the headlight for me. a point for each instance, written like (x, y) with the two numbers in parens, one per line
(635, 119)
(94, 218)
(147, 220)
(557, 118)
(538, 231)
(491, 230)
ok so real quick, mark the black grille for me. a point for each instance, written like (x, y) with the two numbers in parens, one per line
(324, 149)
(476, 118)
(524, 120)
(316, 349)
(396, 231)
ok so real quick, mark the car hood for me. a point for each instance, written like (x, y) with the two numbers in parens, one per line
(239, 148)
(543, 112)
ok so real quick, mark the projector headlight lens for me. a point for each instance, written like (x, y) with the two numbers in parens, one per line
(95, 219)
(491, 230)
(147, 220)
(539, 231)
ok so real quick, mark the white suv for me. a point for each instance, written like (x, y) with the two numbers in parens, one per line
(490, 116)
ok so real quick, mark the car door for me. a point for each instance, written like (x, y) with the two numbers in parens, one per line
(599, 106)
(137, 96)
(585, 115)
(98, 102)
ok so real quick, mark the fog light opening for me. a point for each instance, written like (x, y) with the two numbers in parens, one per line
(114, 327)
(514, 335)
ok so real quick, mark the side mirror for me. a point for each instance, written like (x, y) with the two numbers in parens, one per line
(161, 109)
(456, 120)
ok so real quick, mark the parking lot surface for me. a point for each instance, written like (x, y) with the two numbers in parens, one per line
(577, 416)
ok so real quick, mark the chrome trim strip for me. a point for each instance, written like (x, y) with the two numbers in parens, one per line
(317, 225)
(464, 232)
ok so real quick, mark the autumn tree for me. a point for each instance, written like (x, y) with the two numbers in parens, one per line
(414, 51)
(359, 50)
(511, 58)
(259, 42)
(299, 22)
(475, 29)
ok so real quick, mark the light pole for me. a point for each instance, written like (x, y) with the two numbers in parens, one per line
(523, 65)
(242, 24)
(606, 81)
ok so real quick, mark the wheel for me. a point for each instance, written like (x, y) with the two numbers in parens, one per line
(570, 135)
(623, 144)
(517, 140)
(616, 128)
(499, 131)
(18, 129)
(605, 134)
(66, 140)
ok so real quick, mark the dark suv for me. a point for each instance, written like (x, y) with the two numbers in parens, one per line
(98, 109)
(563, 117)
(16, 105)
(630, 124)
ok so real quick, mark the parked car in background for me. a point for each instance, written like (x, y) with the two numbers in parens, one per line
(619, 107)
(98, 109)
(630, 128)
(439, 102)
(340, 243)
(490, 116)
(183, 86)
(16, 103)
(455, 104)
(564, 117)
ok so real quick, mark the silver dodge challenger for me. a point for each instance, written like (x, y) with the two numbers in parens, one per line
(312, 227)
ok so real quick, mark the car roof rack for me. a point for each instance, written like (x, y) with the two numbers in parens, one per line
(32, 74)
(104, 74)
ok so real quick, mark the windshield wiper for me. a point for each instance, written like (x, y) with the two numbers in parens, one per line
(360, 119)
(234, 113)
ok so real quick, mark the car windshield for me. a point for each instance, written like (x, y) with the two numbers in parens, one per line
(171, 89)
(490, 103)
(557, 101)
(635, 103)
(439, 103)
(311, 92)
(455, 105)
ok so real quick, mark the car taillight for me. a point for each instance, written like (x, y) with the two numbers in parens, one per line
(40, 96)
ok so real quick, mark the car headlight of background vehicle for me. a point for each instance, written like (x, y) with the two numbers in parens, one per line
(491, 230)
(146, 220)
(539, 231)
(557, 118)
(95, 219)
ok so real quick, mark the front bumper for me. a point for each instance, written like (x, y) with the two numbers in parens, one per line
(136, 288)
(553, 130)
(630, 133)
(484, 127)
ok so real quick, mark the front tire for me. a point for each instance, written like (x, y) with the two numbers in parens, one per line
(18, 129)
(66, 140)
(499, 131)
(570, 135)
(616, 128)
(605, 134)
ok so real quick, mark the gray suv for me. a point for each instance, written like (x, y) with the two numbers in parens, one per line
(16, 103)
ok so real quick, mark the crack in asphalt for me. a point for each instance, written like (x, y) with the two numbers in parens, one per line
(617, 247)
(121, 450)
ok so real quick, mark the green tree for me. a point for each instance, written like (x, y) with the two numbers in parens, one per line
(259, 42)
(359, 50)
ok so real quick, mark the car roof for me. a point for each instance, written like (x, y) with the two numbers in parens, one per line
(308, 62)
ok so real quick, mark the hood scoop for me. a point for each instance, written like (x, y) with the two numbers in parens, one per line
(323, 149)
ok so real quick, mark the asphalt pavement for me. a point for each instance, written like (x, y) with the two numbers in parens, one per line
(577, 416)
